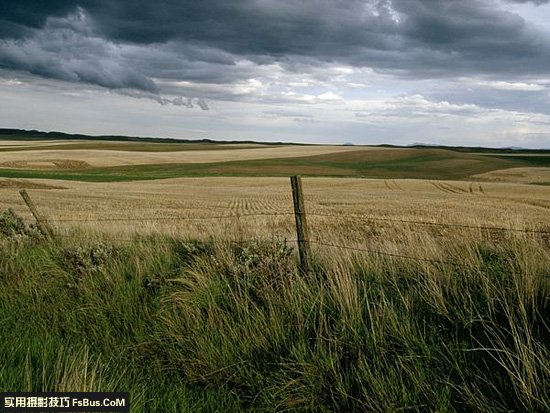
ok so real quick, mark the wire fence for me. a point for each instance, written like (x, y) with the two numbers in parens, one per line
(364, 218)
(168, 239)
(199, 218)
(385, 254)
(298, 213)
(428, 223)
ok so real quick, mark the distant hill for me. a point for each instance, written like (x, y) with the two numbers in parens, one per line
(469, 149)
(30, 135)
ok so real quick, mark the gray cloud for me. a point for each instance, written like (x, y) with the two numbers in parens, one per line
(527, 101)
(32, 14)
(66, 49)
(188, 102)
(218, 49)
(417, 37)
(537, 2)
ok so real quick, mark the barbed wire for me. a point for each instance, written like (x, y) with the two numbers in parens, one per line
(388, 254)
(166, 239)
(201, 218)
(314, 214)
(437, 224)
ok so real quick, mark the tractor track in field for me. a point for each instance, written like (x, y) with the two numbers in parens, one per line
(392, 185)
(473, 190)
(455, 189)
(481, 189)
(442, 188)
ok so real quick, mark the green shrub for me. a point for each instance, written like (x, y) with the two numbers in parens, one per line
(13, 230)
(90, 259)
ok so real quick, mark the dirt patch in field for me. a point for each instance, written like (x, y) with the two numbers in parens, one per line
(22, 184)
(63, 164)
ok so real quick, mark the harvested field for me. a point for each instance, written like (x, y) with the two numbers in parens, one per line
(262, 207)
(7, 143)
(57, 164)
(109, 158)
(26, 184)
(528, 175)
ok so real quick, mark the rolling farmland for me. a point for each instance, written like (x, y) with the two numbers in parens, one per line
(173, 274)
(138, 182)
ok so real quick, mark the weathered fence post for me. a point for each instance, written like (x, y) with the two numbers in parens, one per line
(301, 224)
(40, 220)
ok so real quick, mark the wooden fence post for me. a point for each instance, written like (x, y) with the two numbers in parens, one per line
(40, 220)
(301, 224)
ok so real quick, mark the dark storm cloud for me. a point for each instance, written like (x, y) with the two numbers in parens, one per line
(420, 37)
(468, 37)
(127, 44)
(31, 14)
(65, 49)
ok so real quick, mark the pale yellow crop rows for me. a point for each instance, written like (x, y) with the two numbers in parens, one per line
(519, 175)
(339, 208)
(43, 158)
(33, 144)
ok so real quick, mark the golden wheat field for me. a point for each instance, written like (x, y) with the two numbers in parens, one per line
(357, 213)
(526, 175)
(389, 215)
(45, 155)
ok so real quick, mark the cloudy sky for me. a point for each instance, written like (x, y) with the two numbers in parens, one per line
(469, 72)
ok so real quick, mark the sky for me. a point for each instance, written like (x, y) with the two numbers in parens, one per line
(448, 72)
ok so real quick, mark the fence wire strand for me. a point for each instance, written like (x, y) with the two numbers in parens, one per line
(314, 214)
(358, 217)
(436, 224)
(201, 218)
(387, 254)
(168, 239)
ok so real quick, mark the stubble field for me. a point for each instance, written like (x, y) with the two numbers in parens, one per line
(343, 209)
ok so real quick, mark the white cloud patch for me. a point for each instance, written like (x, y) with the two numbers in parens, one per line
(413, 107)
(520, 86)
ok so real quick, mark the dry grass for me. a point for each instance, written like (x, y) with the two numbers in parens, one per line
(46, 164)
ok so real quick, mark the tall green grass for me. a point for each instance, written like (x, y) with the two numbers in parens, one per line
(214, 326)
